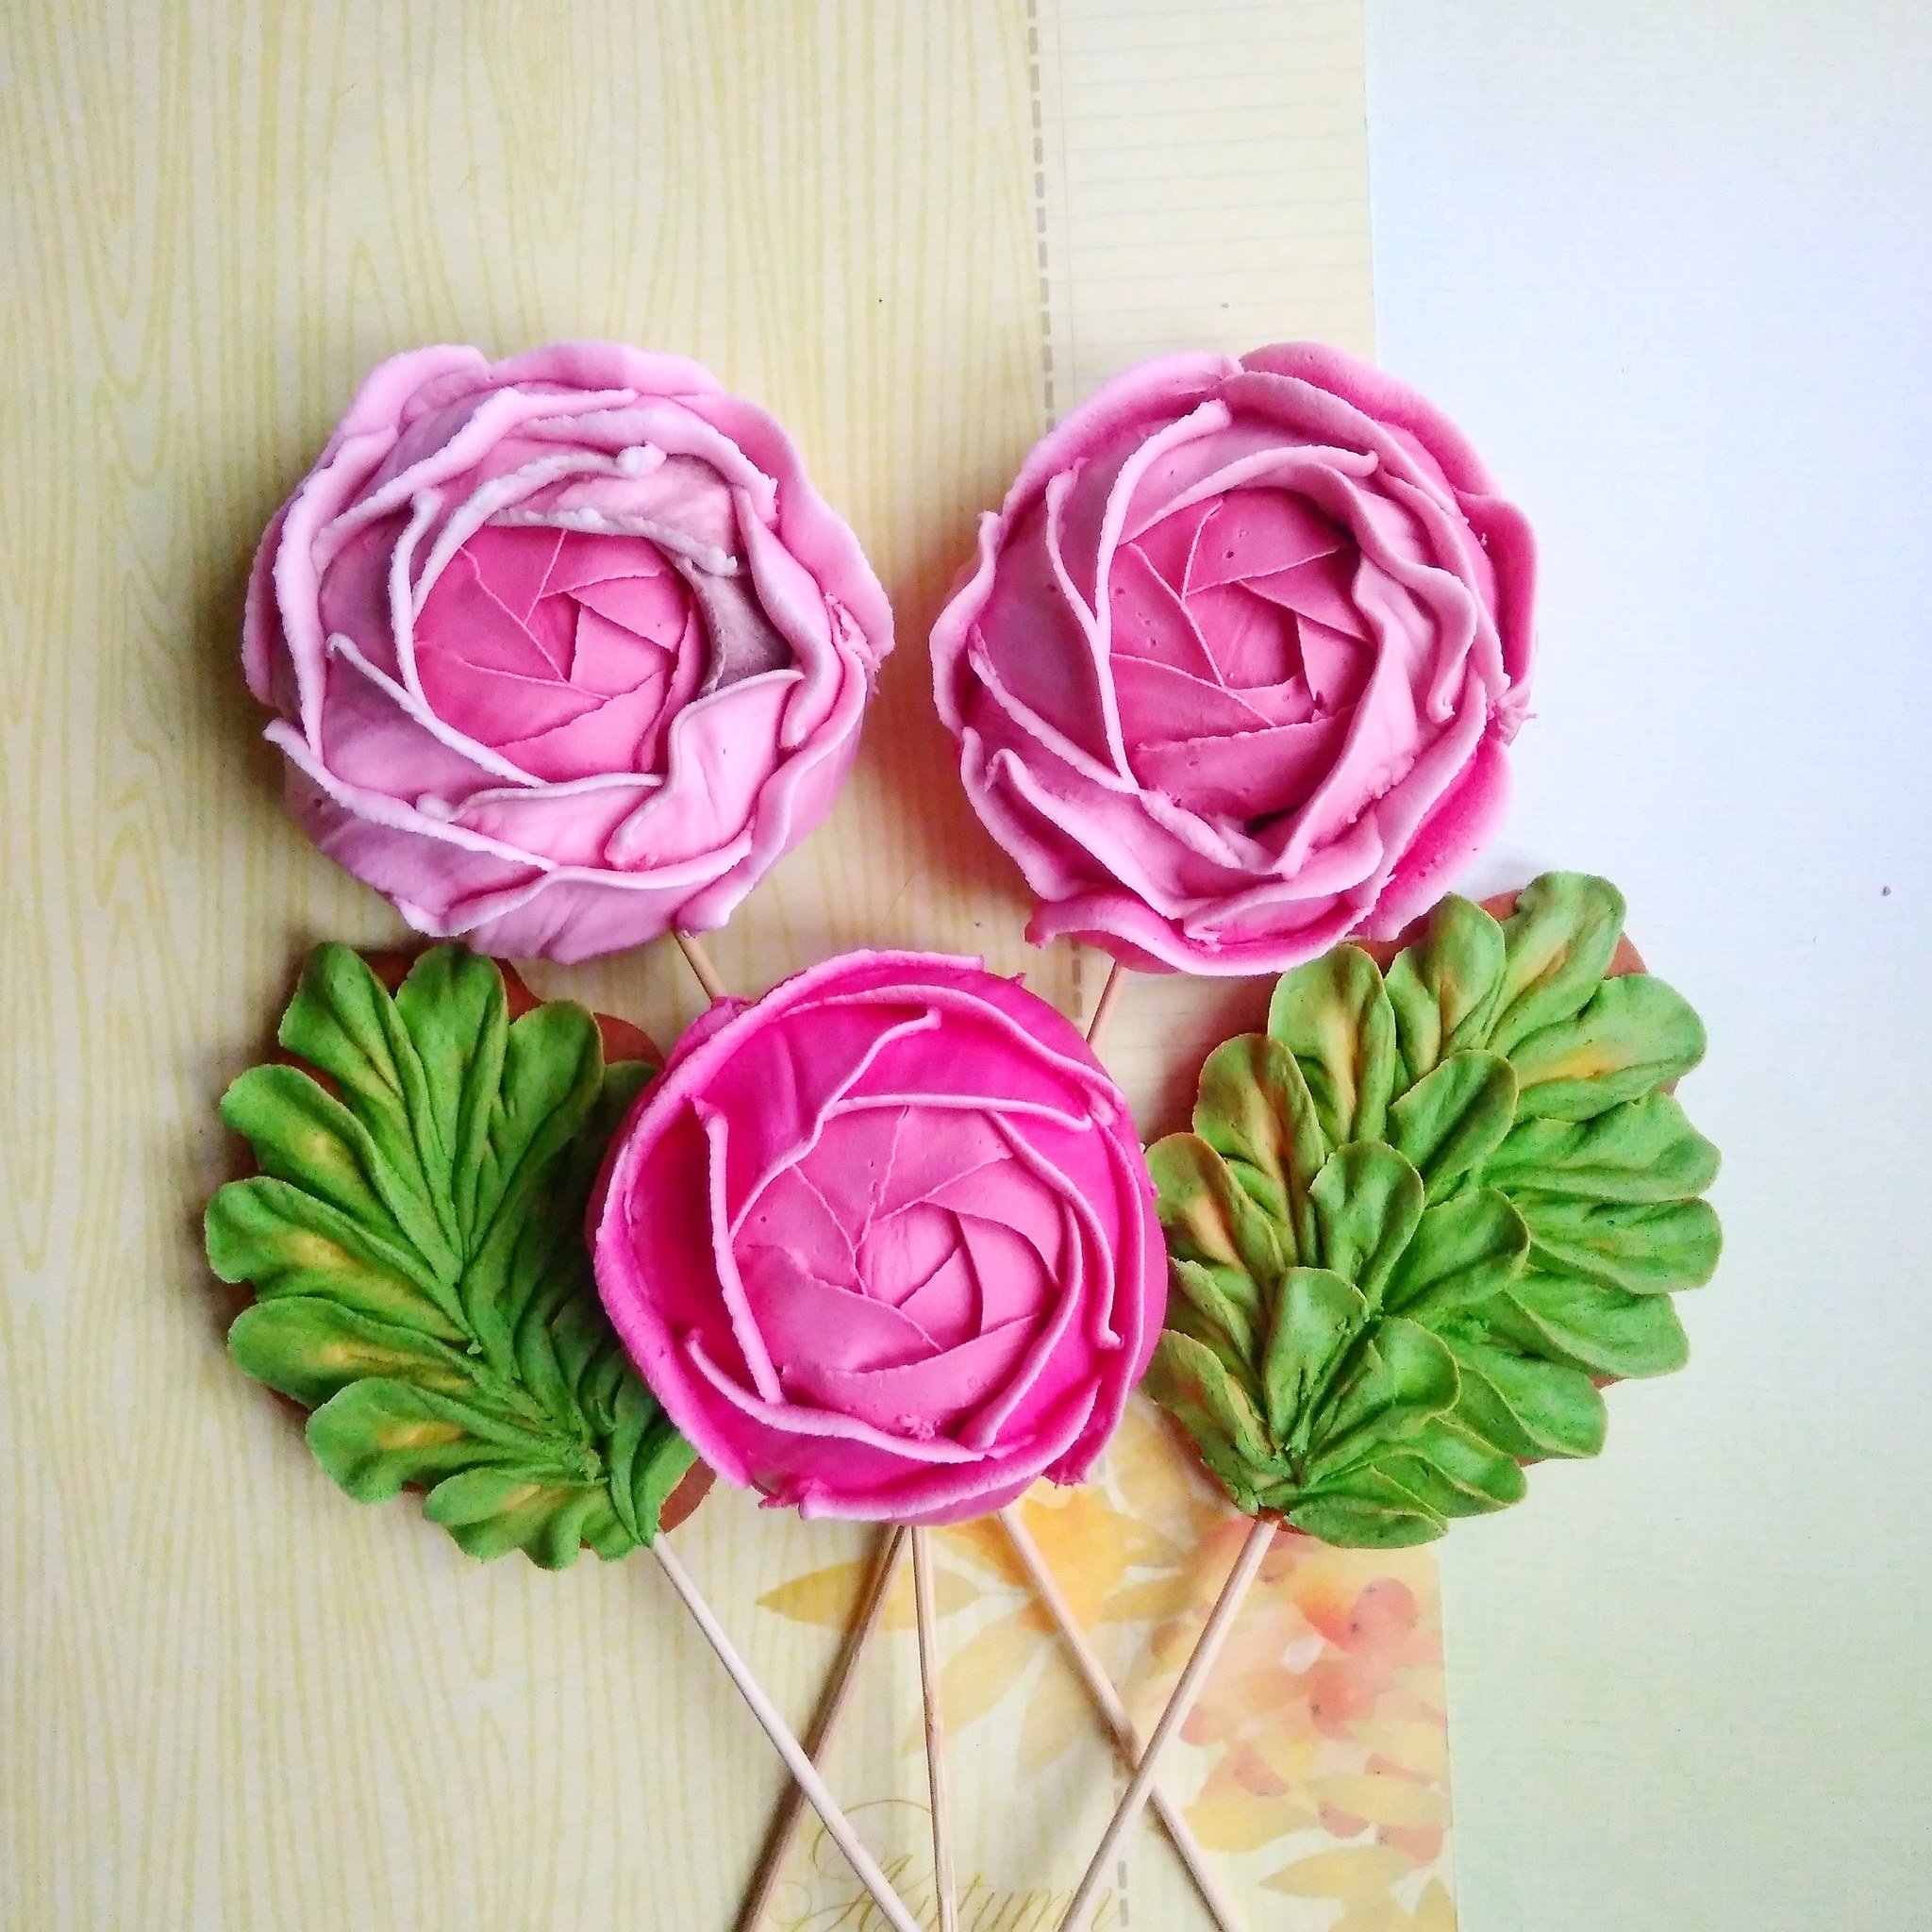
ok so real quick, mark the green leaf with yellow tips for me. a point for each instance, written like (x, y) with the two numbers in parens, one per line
(1423, 1216)
(1190, 1382)
(377, 1436)
(492, 1510)
(1219, 1308)
(1256, 1112)
(310, 1348)
(1367, 1201)
(1464, 1251)
(1453, 1117)
(284, 1241)
(1210, 1217)
(1333, 1015)
(415, 1239)
(1442, 989)
(1558, 944)
(1635, 1036)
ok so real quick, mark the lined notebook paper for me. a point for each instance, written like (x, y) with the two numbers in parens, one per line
(1200, 181)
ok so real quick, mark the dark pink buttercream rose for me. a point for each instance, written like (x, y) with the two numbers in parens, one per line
(883, 1244)
(1234, 667)
(566, 649)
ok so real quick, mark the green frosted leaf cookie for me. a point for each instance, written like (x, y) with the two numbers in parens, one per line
(1527, 1406)
(1635, 1037)
(1404, 1377)
(1453, 1117)
(1463, 1252)
(1367, 1201)
(1334, 1016)
(1193, 1384)
(1558, 944)
(1316, 1316)
(415, 1241)
(1256, 1112)
(1423, 1216)
(1644, 1150)
(1602, 1331)
(1442, 989)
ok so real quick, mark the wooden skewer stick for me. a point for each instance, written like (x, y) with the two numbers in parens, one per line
(824, 1721)
(1220, 1622)
(1111, 991)
(1221, 1909)
(789, 1748)
(926, 1614)
(699, 960)
(700, 963)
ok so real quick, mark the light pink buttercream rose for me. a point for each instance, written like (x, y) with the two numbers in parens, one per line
(566, 649)
(883, 1244)
(1234, 667)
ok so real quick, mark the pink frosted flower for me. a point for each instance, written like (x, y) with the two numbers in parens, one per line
(565, 649)
(1234, 667)
(883, 1243)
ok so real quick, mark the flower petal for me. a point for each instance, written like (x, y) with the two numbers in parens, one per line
(1247, 775)
(1322, 587)
(1164, 703)
(947, 1303)
(519, 565)
(608, 734)
(1151, 621)
(1250, 640)
(1168, 545)
(920, 1399)
(805, 1319)
(1254, 533)
(1040, 644)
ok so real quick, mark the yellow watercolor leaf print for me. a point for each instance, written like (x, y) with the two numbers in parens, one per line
(829, 1596)
(1389, 1801)
(1057, 1712)
(1352, 1874)
(1376, 1915)
(1149, 1602)
(1426, 1683)
(980, 1673)
(1238, 1821)
(950, 1591)
(1287, 1757)
(1155, 1472)
(1084, 1541)
(1418, 1747)
(1435, 1911)
(983, 1542)
(1147, 1549)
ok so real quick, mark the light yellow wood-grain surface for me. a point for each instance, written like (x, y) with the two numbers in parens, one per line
(228, 1698)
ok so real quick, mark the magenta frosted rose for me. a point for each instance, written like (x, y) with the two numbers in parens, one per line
(883, 1244)
(1235, 665)
(566, 650)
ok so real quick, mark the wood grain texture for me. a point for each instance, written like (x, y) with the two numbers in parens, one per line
(228, 1698)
